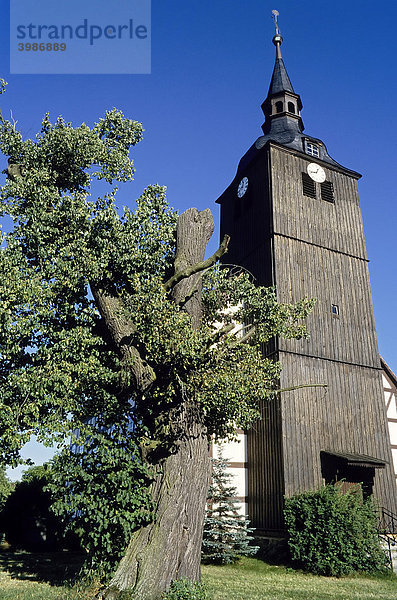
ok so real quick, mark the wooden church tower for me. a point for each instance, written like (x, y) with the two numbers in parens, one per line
(294, 218)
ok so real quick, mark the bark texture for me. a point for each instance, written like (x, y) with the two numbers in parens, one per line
(194, 231)
(137, 374)
(170, 546)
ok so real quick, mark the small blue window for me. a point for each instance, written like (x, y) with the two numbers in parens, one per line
(312, 149)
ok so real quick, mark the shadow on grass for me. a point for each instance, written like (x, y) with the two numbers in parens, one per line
(55, 568)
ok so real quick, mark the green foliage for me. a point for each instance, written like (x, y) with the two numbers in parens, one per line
(61, 368)
(184, 589)
(105, 497)
(333, 533)
(226, 535)
(6, 487)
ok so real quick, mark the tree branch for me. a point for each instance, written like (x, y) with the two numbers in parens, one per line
(244, 338)
(223, 331)
(136, 374)
(201, 266)
(298, 387)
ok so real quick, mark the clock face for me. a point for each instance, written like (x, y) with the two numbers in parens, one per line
(316, 172)
(242, 187)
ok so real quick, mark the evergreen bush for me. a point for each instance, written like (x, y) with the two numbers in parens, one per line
(226, 534)
(333, 533)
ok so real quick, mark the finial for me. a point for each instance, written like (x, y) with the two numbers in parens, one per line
(275, 14)
(277, 39)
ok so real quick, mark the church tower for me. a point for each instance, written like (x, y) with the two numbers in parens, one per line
(294, 218)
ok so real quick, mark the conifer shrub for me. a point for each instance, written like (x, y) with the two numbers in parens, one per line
(333, 533)
(226, 535)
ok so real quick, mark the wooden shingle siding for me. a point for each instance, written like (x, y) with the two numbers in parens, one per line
(335, 225)
(310, 247)
(265, 469)
(348, 416)
(331, 278)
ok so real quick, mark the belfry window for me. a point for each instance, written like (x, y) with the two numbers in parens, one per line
(327, 191)
(312, 149)
(279, 107)
(308, 186)
(291, 107)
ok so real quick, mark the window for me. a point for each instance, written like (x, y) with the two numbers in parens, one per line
(291, 107)
(308, 185)
(327, 191)
(279, 107)
(312, 149)
(335, 309)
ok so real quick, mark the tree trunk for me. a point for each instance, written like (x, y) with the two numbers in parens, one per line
(170, 547)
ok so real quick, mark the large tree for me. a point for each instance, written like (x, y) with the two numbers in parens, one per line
(115, 318)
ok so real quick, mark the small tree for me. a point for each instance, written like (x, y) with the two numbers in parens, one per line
(333, 533)
(226, 535)
(26, 518)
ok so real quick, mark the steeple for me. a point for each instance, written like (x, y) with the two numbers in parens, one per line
(280, 81)
(282, 105)
(283, 123)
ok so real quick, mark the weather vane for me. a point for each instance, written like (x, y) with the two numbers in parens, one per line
(275, 14)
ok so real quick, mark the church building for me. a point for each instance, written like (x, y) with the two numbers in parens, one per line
(294, 218)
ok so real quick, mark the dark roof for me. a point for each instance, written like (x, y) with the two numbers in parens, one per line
(285, 129)
(388, 371)
(357, 460)
(280, 81)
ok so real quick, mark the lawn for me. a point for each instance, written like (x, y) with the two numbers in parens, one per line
(26, 576)
(252, 579)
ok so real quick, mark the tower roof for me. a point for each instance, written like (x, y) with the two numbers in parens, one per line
(283, 123)
(280, 81)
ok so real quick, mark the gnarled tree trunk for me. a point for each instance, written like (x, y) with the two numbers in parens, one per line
(170, 546)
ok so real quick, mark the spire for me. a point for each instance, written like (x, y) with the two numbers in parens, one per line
(280, 81)
(282, 103)
(283, 124)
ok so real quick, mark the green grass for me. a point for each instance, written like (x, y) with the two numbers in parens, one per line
(25, 576)
(38, 576)
(252, 579)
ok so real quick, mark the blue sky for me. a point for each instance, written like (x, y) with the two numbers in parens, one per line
(200, 106)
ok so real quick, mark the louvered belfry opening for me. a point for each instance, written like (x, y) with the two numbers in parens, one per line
(327, 191)
(309, 186)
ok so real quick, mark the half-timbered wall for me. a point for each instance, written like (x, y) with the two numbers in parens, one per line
(390, 392)
(236, 453)
(261, 484)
